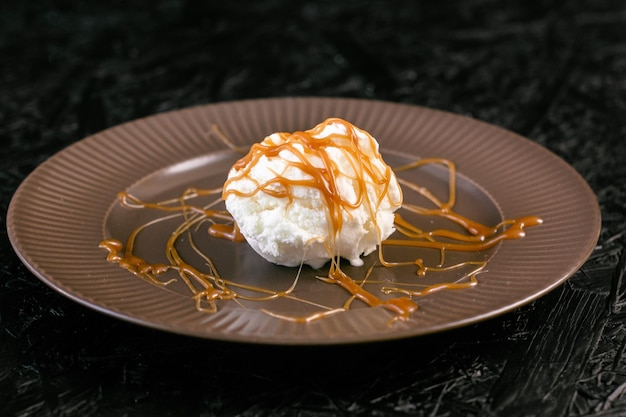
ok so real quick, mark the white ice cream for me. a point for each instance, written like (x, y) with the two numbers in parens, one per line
(310, 196)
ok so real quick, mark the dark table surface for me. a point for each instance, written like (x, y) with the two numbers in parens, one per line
(554, 72)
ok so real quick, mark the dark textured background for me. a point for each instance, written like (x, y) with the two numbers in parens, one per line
(552, 71)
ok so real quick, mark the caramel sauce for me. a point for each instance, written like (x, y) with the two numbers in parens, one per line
(207, 287)
(129, 261)
(226, 231)
(511, 229)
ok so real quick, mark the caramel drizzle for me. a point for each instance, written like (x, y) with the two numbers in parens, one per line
(479, 237)
(208, 287)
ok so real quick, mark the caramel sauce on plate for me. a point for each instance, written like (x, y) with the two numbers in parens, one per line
(208, 286)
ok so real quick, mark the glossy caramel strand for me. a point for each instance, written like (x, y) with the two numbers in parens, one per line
(130, 262)
(403, 307)
(510, 229)
(226, 231)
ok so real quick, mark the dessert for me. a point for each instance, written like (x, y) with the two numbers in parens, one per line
(306, 198)
(310, 196)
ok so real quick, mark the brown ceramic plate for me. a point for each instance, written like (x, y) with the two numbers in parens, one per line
(68, 205)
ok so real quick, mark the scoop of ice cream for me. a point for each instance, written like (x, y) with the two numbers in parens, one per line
(310, 196)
